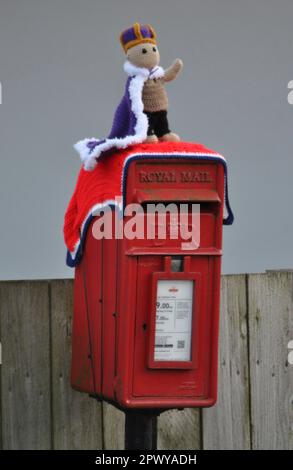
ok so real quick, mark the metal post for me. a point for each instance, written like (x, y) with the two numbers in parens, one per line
(140, 430)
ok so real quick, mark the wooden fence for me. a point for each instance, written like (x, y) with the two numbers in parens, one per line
(255, 405)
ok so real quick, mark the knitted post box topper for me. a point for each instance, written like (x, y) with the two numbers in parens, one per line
(142, 113)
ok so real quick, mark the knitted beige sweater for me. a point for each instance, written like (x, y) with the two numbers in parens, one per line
(154, 95)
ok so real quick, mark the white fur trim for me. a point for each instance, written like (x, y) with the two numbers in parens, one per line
(139, 76)
(132, 70)
(157, 72)
(92, 212)
(141, 127)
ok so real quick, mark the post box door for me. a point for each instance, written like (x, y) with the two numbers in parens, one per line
(180, 377)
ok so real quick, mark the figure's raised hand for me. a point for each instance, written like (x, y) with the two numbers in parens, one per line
(172, 72)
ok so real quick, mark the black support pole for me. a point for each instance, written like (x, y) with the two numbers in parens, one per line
(141, 430)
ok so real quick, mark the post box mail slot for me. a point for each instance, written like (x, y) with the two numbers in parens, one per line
(146, 311)
(176, 195)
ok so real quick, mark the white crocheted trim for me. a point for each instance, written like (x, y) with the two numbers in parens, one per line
(92, 212)
(139, 76)
(141, 127)
(132, 70)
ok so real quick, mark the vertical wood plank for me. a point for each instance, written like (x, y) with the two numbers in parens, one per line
(77, 418)
(227, 424)
(26, 365)
(113, 427)
(271, 328)
(179, 430)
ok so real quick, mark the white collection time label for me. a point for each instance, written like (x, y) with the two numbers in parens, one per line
(173, 320)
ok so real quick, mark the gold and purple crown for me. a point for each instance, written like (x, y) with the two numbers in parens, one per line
(137, 34)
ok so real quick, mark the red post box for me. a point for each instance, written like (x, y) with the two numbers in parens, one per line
(146, 311)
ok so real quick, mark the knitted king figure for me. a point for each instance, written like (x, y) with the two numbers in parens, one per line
(142, 113)
(140, 46)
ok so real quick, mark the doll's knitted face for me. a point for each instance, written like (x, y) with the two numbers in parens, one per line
(144, 55)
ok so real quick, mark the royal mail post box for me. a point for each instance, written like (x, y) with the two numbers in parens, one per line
(146, 311)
